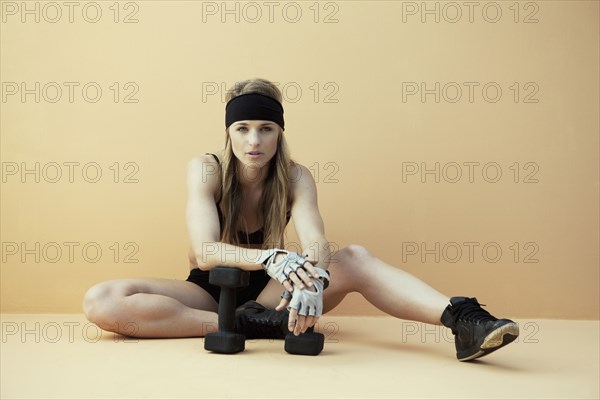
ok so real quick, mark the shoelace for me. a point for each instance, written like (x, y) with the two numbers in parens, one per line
(471, 311)
(263, 323)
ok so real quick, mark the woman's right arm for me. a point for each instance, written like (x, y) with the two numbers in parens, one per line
(203, 221)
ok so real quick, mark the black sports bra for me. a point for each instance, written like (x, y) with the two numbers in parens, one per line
(254, 237)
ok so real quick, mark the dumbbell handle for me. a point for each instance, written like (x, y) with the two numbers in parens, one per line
(228, 279)
(227, 301)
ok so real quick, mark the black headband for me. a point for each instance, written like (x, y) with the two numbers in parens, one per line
(255, 106)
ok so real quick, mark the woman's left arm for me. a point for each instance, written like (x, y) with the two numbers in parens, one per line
(307, 219)
(311, 232)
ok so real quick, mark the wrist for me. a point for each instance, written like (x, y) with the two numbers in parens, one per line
(323, 276)
(263, 257)
(266, 257)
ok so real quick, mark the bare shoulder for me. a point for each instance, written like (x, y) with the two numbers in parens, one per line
(199, 160)
(301, 175)
(302, 180)
(205, 161)
(203, 173)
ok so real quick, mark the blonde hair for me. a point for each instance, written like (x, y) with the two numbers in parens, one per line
(276, 197)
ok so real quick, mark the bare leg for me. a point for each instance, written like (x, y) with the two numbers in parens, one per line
(396, 292)
(151, 308)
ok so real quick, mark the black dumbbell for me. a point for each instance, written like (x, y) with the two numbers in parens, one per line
(225, 340)
(308, 343)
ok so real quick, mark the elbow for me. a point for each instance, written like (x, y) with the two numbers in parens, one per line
(203, 262)
(204, 258)
(203, 265)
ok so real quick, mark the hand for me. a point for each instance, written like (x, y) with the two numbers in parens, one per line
(302, 277)
(285, 266)
(306, 306)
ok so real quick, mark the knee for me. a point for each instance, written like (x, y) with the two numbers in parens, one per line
(100, 304)
(351, 261)
(354, 252)
(352, 257)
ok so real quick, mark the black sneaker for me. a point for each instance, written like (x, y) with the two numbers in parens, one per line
(256, 321)
(477, 332)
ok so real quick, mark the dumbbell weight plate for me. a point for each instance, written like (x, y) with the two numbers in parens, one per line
(308, 343)
(224, 342)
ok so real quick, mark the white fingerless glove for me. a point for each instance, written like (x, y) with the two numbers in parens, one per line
(309, 301)
(281, 269)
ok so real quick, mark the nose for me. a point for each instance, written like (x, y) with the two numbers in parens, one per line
(253, 137)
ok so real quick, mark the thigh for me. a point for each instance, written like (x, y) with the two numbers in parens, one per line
(271, 294)
(185, 292)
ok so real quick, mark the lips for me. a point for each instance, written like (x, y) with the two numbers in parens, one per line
(254, 153)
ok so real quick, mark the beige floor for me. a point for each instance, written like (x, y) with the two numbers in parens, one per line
(61, 356)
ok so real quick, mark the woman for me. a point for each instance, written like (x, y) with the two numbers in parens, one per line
(239, 202)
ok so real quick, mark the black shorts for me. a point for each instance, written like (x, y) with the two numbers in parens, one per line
(258, 281)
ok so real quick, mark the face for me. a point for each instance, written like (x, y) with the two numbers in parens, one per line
(254, 136)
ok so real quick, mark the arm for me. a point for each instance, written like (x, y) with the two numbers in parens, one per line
(203, 221)
(311, 232)
(307, 219)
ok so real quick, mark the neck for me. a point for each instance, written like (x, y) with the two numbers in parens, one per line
(253, 178)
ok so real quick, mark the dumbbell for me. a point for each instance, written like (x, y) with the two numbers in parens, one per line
(225, 340)
(308, 343)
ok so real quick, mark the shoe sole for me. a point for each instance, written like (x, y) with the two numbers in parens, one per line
(495, 340)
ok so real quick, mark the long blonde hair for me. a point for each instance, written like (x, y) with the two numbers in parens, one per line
(276, 197)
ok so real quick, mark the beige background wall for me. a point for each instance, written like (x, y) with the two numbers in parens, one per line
(349, 75)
